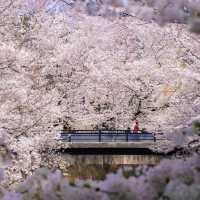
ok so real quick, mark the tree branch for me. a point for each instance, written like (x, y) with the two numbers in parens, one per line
(7, 7)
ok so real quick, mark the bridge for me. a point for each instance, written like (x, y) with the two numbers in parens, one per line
(105, 139)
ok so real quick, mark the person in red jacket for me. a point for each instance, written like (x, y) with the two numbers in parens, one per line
(136, 127)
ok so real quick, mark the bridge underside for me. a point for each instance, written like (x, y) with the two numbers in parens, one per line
(115, 145)
(109, 151)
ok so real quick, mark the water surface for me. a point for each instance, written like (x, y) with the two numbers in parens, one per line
(96, 167)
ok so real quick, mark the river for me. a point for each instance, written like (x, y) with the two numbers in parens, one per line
(96, 167)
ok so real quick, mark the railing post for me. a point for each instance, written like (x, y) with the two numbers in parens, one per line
(99, 136)
(126, 135)
(154, 137)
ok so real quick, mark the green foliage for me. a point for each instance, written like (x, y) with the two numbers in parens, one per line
(128, 129)
(86, 185)
(143, 130)
(196, 127)
(128, 173)
(72, 183)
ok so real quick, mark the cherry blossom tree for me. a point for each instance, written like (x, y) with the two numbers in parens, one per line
(95, 66)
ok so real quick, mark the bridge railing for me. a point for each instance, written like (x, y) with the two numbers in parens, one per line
(105, 136)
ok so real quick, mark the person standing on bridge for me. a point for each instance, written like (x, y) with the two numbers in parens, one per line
(136, 127)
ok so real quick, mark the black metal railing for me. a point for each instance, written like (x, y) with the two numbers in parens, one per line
(105, 136)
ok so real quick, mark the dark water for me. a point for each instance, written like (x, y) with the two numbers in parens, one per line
(96, 167)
